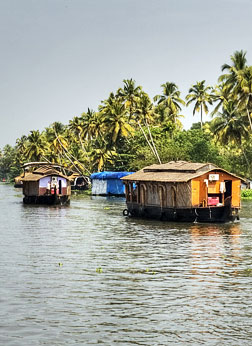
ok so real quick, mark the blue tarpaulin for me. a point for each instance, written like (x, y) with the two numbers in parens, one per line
(109, 175)
(109, 183)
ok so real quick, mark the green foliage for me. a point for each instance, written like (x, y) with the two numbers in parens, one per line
(9, 165)
(130, 131)
(246, 193)
(201, 96)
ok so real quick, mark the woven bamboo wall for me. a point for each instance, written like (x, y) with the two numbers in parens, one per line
(184, 194)
(167, 195)
(31, 188)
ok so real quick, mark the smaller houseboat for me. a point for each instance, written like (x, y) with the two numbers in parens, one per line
(108, 183)
(79, 182)
(183, 191)
(18, 181)
(45, 184)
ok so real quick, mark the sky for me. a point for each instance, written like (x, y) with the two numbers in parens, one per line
(59, 57)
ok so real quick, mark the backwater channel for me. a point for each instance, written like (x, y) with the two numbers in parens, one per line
(86, 275)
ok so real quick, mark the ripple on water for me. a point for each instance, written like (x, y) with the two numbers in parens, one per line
(84, 275)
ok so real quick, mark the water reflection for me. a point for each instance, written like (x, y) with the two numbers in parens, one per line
(160, 284)
(215, 247)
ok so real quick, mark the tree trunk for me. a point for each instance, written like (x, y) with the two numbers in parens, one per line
(67, 152)
(246, 159)
(82, 145)
(201, 116)
(147, 139)
(153, 144)
(249, 118)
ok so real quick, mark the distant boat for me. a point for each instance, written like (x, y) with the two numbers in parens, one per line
(43, 183)
(18, 181)
(108, 183)
(79, 182)
(183, 191)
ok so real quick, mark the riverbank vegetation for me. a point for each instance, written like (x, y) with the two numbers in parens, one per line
(246, 194)
(129, 130)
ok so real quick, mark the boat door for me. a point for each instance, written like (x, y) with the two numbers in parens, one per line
(60, 187)
(228, 192)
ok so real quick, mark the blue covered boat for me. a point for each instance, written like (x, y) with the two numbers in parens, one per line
(108, 183)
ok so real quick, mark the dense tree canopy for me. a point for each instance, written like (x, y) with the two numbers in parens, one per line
(129, 130)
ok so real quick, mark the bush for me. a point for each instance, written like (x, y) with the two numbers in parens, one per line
(246, 193)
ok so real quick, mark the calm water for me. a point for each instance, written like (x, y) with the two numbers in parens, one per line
(86, 275)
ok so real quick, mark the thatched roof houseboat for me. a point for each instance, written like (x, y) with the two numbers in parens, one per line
(45, 185)
(183, 191)
(18, 181)
(79, 182)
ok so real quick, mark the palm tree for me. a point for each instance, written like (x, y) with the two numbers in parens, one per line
(54, 150)
(75, 126)
(129, 95)
(221, 96)
(229, 125)
(245, 95)
(170, 101)
(21, 144)
(238, 82)
(91, 124)
(100, 155)
(109, 101)
(230, 78)
(115, 121)
(199, 94)
(230, 128)
(36, 146)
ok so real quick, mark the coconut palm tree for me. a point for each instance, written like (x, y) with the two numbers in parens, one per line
(230, 78)
(200, 95)
(36, 146)
(237, 82)
(245, 92)
(129, 95)
(115, 121)
(91, 124)
(21, 148)
(229, 125)
(221, 96)
(170, 101)
(100, 155)
(230, 128)
(75, 126)
(109, 101)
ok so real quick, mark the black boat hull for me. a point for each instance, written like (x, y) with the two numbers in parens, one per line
(201, 214)
(47, 199)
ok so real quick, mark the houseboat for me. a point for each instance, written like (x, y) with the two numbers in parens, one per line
(108, 183)
(18, 182)
(43, 183)
(79, 182)
(183, 191)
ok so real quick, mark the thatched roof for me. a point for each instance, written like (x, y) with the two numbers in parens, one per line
(40, 164)
(42, 172)
(174, 171)
(73, 176)
(46, 170)
(180, 166)
(19, 178)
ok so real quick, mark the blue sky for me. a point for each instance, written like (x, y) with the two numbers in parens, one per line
(59, 57)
